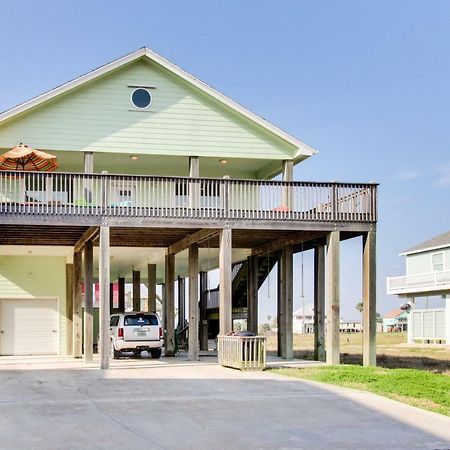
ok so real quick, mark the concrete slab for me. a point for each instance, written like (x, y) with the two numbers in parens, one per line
(60, 403)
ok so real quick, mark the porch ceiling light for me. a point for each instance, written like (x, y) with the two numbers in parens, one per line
(223, 161)
(134, 157)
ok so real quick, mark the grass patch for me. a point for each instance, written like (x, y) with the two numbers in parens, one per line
(419, 388)
(392, 351)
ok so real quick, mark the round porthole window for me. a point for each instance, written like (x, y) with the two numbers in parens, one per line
(141, 98)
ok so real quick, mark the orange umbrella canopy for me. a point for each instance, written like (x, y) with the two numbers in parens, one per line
(22, 157)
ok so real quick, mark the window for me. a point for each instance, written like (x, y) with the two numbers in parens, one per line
(438, 262)
(140, 319)
(141, 98)
(114, 321)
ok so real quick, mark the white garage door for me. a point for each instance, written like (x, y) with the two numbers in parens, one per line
(28, 327)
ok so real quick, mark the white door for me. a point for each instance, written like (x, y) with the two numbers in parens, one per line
(28, 327)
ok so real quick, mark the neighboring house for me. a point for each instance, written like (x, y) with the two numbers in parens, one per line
(350, 326)
(395, 320)
(161, 177)
(427, 274)
(304, 320)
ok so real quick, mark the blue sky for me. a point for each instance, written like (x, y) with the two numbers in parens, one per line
(365, 83)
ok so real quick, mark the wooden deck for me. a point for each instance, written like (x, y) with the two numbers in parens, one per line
(125, 200)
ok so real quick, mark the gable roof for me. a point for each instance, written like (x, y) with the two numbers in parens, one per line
(393, 314)
(308, 311)
(303, 150)
(440, 241)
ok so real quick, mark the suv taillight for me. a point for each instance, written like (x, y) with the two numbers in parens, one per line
(120, 333)
(160, 332)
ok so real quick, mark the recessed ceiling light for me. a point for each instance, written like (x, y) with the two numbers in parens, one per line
(134, 157)
(223, 161)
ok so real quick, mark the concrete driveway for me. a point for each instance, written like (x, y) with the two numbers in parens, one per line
(59, 403)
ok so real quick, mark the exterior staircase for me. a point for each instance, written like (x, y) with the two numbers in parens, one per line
(239, 284)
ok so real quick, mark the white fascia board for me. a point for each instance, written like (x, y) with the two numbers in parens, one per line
(303, 150)
(424, 250)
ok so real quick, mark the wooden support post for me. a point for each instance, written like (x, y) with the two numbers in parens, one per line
(88, 302)
(170, 305)
(286, 287)
(333, 292)
(225, 299)
(194, 187)
(163, 308)
(104, 277)
(280, 311)
(136, 290)
(111, 298)
(69, 309)
(77, 306)
(151, 287)
(193, 303)
(319, 303)
(181, 303)
(252, 294)
(288, 175)
(121, 294)
(203, 325)
(88, 168)
(88, 162)
(369, 299)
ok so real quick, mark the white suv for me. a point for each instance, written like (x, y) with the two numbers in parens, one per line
(135, 332)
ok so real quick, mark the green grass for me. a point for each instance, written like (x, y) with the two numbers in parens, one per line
(419, 388)
(392, 351)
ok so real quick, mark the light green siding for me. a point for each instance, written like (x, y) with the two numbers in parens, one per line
(36, 276)
(418, 263)
(99, 117)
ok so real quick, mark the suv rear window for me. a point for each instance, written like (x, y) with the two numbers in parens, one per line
(139, 319)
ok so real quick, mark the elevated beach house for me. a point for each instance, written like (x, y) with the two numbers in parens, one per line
(427, 275)
(163, 178)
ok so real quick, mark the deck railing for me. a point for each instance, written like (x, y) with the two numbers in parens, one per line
(242, 352)
(107, 195)
(420, 282)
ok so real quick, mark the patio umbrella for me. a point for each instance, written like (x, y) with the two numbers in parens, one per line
(22, 157)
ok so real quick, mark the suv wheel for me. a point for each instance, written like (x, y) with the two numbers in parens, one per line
(114, 353)
(156, 353)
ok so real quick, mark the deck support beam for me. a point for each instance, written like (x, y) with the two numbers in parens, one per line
(252, 294)
(333, 300)
(77, 306)
(136, 290)
(203, 324)
(170, 304)
(104, 280)
(69, 308)
(193, 303)
(225, 299)
(194, 238)
(319, 303)
(286, 305)
(369, 299)
(88, 335)
(121, 294)
(151, 287)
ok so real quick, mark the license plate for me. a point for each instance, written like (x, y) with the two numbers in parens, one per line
(140, 333)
